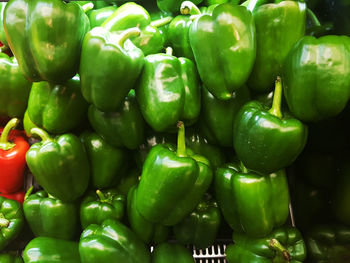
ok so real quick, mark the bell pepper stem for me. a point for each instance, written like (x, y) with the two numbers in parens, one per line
(131, 32)
(28, 193)
(181, 140)
(4, 143)
(4, 222)
(277, 99)
(101, 195)
(276, 245)
(243, 168)
(87, 7)
(311, 15)
(189, 8)
(44, 136)
(162, 22)
(169, 51)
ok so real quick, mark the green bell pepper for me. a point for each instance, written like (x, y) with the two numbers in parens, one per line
(252, 203)
(120, 61)
(101, 205)
(48, 249)
(278, 27)
(129, 15)
(57, 108)
(60, 165)
(328, 244)
(148, 232)
(121, 243)
(124, 127)
(106, 162)
(226, 59)
(219, 116)
(172, 183)
(14, 88)
(9, 258)
(50, 217)
(282, 245)
(46, 44)
(267, 140)
(171, 253)
(11, 221)
(163, 102)
(98, 16)
(323, 66)
(172, 6)
(201, 227)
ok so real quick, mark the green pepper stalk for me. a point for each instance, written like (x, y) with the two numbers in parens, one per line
(189, 8)
(181, 140)
(4, 143)
(277, 99)
(87, 7)
(277, 246)
(3, 221)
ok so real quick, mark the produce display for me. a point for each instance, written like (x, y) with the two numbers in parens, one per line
(136, 132)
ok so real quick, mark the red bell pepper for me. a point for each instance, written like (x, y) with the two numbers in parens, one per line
(19, 196)
(13, 148)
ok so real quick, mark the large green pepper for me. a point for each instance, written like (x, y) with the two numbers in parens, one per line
(172, 183)
(148, 232)
(278, 27)
(106, 162)
(283, 245)
(57, 108)
(328, 244)
(317, 77)
(129, 15)
(50, 217)
(124, 127)
(219, 116)
(102, 205)
(60, 165)
(46, 44)
(224, 47)
(120, 61)
(9, 258)
(266, 140)
(121, 243)
(11, 221)
(164, 102)
(49, 250)
(14, 88)
(252, 203)
(98, 16)
(201, 227)
(171, 253)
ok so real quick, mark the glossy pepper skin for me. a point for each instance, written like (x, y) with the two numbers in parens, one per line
(124, 127)
(172, 183)
(171, 253)
(50, 217)
(8, 258)
(283, 245)
(60, 165)
(148, 232)
(48, 249)
(46, 44)
(328, 244)
(106, 162)
(219, 115)
(11, 221)
(227, 58)
(57, 108)
(14, 88)
(98, 16)
(200, 228)
(252, 203)
(120, 61)
(13, 148)
(168, 91)
(267, 140)
(101, 205)
(275, 36)
(129, 15)
(323, 66)
(121, 243)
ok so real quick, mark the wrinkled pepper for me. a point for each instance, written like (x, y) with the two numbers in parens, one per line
(46, 44)
(50, 217)
(171, 253)
(267, 140)
(172, 182)
(252, 203)
(60, 165)
(162, 102)
(13, 148)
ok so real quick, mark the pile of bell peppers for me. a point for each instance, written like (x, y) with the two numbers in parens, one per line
(173, 124)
